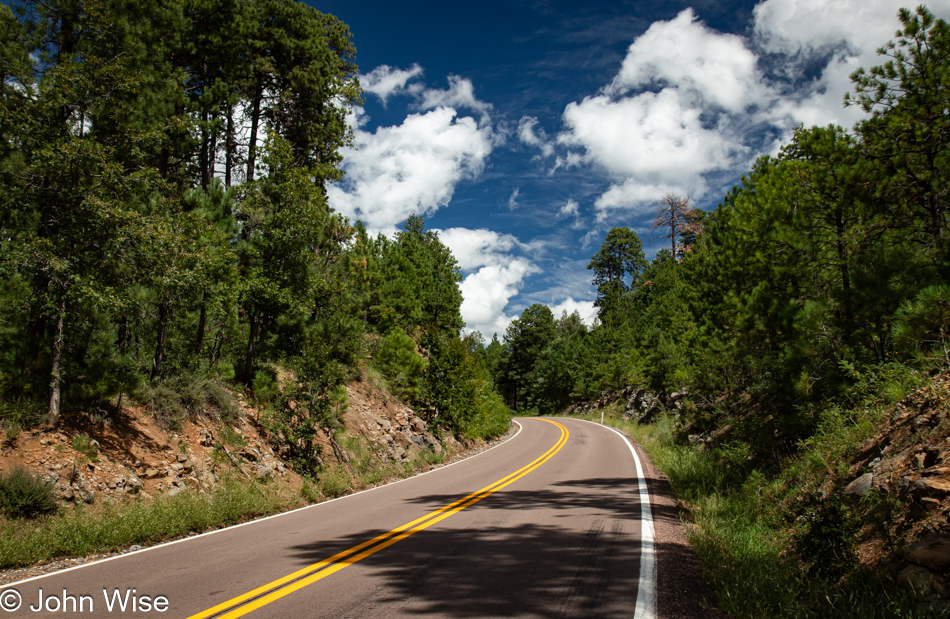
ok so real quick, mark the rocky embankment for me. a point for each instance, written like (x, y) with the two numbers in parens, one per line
(90, 459)
(639, 403)
(908, 460)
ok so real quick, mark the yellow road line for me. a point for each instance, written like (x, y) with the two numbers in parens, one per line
(265, 594)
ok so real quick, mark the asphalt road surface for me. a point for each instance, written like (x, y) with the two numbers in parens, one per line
(548, 524)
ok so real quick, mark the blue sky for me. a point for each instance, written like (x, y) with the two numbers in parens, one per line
(524, 131)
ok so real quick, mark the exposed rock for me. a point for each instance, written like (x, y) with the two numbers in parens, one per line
(264, 472)
(932, 552)
(402, 439)
(151, 473)
(207, 438)
(860, 486)
(932, 486)
(250, 453)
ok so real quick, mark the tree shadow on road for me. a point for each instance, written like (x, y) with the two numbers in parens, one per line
(554, 565)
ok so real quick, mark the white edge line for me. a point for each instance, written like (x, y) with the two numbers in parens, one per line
(646, 587)
(244, 524)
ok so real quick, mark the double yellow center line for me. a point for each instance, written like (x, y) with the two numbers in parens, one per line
(252, 600)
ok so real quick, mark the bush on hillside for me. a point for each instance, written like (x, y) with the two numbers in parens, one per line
(25, 495)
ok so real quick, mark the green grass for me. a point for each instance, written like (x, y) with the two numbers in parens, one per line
(744, 532)
(83, 530)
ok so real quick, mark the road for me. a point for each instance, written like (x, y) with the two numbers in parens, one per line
(547, 524)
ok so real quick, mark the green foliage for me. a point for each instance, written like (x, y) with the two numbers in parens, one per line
(333, 482)
(126, 264)
(25, 495)
(924, 322)
(620, 257)
(265, 386)
(80, 531)
(182, 397)
(826, 537)
(403, 368)
(84, 445)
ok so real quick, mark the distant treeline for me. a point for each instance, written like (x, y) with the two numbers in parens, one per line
(828, 259)
(163, 219)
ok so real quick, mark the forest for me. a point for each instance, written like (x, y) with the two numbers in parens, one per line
(164, 229)
(828, 263)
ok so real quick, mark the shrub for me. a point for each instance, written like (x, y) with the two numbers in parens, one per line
(25, 495)
(179, 398)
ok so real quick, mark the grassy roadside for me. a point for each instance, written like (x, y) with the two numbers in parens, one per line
(82, 530)
(768, 548)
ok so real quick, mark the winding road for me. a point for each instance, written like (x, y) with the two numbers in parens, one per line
(554, 522)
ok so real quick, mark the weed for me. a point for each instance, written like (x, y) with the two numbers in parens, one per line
(333, 482)
(12, 432)
(231, 437)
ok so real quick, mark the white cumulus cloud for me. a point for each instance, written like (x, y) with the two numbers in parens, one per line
(703, 64)
(494, 274)
(409, 169)
(647, 142)
(486, 293)
(571, 209)
(478, 248)
(689, 103)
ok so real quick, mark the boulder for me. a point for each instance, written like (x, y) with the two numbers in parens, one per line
(932, 552)
(860, 486)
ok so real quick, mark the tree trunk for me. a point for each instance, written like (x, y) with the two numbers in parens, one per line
(163, 311)
(249, 359)
(203, 151)
(212, 155)
(56, 373)
(252, 142)
(124, 335)
(202, 318)
(229, 148)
